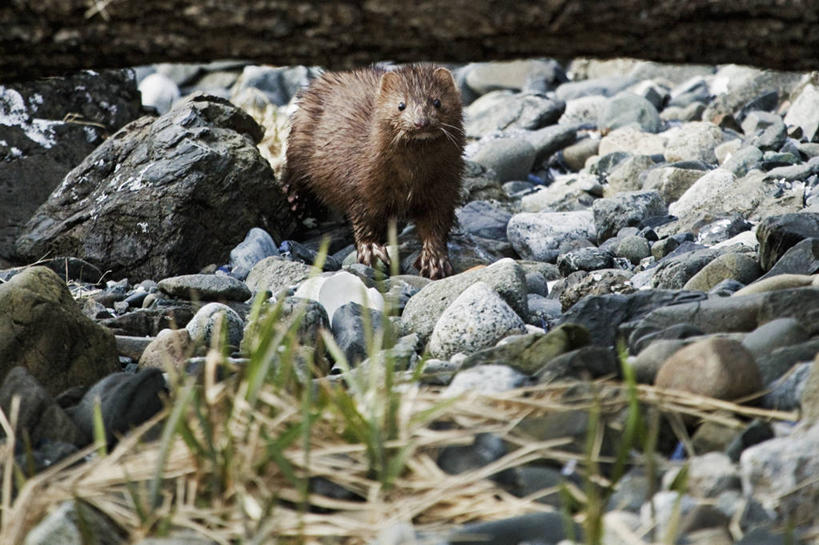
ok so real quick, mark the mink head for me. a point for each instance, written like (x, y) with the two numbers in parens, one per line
(419, 102)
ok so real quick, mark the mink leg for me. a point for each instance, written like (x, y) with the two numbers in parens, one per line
(434, 260)
(366, 244)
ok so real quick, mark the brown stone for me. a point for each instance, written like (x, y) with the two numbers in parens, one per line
(172, 347)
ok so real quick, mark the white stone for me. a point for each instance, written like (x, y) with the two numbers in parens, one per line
(339, 289)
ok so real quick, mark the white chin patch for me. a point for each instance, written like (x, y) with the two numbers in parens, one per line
(423, 136)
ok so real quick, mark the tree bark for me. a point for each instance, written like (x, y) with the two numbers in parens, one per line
(50, 37)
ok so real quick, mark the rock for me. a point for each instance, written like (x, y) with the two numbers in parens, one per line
(215, 319)
(626, 175)
(480, 183)
(777, 234)
(528, 353)
(638, 342)
(159, 91)
(774, 334)
(743, 160)
(541, 74)
(543, 311)
(257, 245)
(279, 84)
(170, 348)
(576, 155)
(205, 287)
(485, 449)
(548, 527)
(710, 474)
(602, 314)
(605, 86)
(571, 192)
(650, 359)
(585, 363)
(131, 346)
(485, 379)
(583, 110)
(165, 173)
(71, 522)
(549, 140)
(39, 417)
(764, 130)
(630, 208)
(477, 319)
(634, 248)
(665, 510)
(538, 236)
(483, 219)
(505, 277)
(794, 173)
(39, 144)
(274, 274)
(670, 182)
(779, 361)
(510, 158)
(349, 330)
(717, 232)
(600, 282)
(504, 110)
(786, 391)
(632, 140)
(694, 141)
(736, 85)
(708, 192)
(781, 464)
(714, 367)
(804, 112)
(43, 329)
(625, 109)
(735, 266)
(584, 259)
(810, 395)
(150, 321)
(779, 282)
(126, 400)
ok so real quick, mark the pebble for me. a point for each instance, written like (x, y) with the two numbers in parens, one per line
(215, 319)
(538, 236)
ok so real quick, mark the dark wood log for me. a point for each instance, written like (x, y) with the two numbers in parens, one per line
(56, 36)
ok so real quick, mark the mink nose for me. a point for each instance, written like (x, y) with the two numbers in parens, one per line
(421, 123)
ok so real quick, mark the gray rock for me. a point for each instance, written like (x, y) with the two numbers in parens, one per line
(810, 394)
(605, 86)
(424, 308)
(774, 334)
(694, 89)
(694, 141)
(794, 173)
(804, 112)
(538, 74)
(170, 349)
(165, 173)
(583, 110)
(543, 311)
(777, 234)
(692, 112)
(485, 379)
(43, 329)
(176, 540)
(787, 392)
(567, 193)
(538, 236)
(730, 266)
(743, 160)
(484, 219)
(549, 140)
(584, 259)
(504, 110)
(634, 248)
(207, 321)
(544, 527)
(630, 491)
(670, 182)
(602, 314)
(764, 130)
(257, 245)
(723, 229)
(668, 509)
(648, 362)
(634, 141)
(70, 522)
(638, 342)
(510, 158)
(480, 183)
(586, 363)
(348, 329)
(279, 85)
(784, 463)
(581, 284)
(39, 417)
(485, 449)
(126, 400)
(779, 361)
(477, 318)
(275, 274)
(630, 208)
(205, 287)
(629, 109)
(575, 156)
(711, 474)
(39, 145)
(743, 84)
(626, 176)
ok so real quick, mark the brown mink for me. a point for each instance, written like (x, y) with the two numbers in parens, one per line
(378, 144)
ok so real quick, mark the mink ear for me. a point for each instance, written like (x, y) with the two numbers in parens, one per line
(389, 83)
(444, 77)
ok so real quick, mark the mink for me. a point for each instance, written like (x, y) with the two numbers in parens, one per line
(379, 144)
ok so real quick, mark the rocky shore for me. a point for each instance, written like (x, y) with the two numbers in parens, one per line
(624, 224)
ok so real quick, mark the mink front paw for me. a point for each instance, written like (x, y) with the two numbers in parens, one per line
(433, 264)
(368, 252)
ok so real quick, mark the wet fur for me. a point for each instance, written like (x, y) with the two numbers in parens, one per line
(351, 147)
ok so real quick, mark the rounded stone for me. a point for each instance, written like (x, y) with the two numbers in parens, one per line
(171, 347)
(510, 158)
(634, 248)
(205, 322)
(733, 266)
(714, 367)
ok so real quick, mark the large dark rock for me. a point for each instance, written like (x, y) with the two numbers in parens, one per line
(776, 234)
(163, 196)
(43, 329)
(46, 128)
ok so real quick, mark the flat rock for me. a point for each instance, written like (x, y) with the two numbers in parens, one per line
(733, 266)
(804, 112)
(538, 236)
(625, 209)
(504, 110)
(485, 379)
(777, 234)
(510, 158)
(629, 109)
(205, 287)
(275, 274)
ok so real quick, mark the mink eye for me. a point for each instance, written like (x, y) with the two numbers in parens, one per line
(401, 106)
(436, 103)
